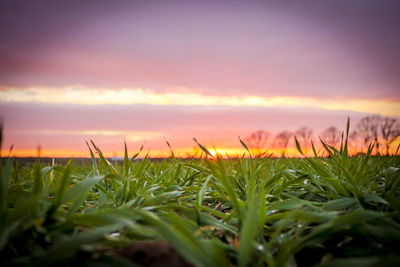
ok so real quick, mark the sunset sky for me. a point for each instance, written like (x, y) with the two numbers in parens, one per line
(147, 71)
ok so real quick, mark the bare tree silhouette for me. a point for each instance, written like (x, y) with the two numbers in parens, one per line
(258, 140)
(354, 140)
(390, 130)
(282, 139)
(331, 136)
(368, 130)
(304, 136)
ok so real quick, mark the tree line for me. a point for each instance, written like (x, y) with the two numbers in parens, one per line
(380, 131)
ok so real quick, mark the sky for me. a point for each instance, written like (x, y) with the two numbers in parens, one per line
(150, 71)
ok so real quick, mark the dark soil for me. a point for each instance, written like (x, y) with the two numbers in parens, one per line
(152, 254)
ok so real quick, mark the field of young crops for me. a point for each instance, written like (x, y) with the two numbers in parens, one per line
(336, 211)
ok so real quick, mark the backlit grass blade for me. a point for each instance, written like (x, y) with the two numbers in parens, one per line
(313, 149)
(126, 160)
(205, 150)
(245, 146)
(298, 146)
(170, 148)
(94, 162)
(105, 162)
(346, 152)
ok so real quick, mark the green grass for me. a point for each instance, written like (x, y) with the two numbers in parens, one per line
(336, 211)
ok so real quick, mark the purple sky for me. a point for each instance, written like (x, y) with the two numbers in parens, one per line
(325, 50)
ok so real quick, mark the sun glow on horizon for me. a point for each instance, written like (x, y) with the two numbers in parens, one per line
(187, 152)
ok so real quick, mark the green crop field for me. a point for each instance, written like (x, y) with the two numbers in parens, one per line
(335, 211)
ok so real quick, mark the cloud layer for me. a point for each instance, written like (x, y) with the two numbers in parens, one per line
(132, 96)
(266, 48)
